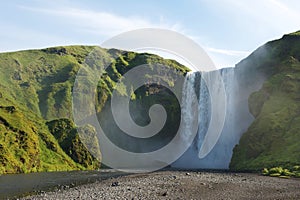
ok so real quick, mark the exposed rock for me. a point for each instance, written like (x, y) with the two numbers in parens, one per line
(17, 76)
(115, 184)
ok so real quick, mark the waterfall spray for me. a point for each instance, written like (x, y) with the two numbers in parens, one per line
(237, 118)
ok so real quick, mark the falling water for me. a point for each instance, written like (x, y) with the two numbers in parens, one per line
(204, 115)
(188, 104)
(237, 116)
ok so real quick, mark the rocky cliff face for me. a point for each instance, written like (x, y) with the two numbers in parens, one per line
(36, 128)
(273, 137)
(221, 93)
(262, 109)
(37, 132)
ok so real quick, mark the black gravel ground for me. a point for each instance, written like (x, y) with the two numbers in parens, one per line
(183, 185)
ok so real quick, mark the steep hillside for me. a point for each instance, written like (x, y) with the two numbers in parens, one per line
(36, 128)
(274, 137)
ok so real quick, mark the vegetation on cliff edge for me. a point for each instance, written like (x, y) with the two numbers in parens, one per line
(273, 139)
(36, 128)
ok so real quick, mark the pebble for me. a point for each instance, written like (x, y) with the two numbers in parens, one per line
(155, 186)
(164, 194)
(114, 184)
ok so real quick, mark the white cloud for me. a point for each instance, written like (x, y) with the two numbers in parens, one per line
(100, 22)
(228, 52)
(109, 24)
(268, 15)
(287, 7)
(226, 58)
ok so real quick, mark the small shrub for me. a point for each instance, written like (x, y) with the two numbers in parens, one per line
(286, 172)
(296, 168)
(265, 172)
(276, 170)
(275, 175)
(281, 173)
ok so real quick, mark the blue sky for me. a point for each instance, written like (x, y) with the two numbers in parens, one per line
(228, 30)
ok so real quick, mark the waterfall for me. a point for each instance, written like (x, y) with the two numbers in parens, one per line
(237, 116)
(204, 115)
(188, 111)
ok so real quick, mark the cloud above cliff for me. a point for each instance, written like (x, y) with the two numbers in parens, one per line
(101, 22)
(227, 29)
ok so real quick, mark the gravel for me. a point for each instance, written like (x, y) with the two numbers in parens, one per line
(182, 185)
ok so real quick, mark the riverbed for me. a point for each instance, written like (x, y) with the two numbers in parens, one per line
(182, 185)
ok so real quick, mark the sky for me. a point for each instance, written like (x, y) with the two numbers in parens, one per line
(228, 30)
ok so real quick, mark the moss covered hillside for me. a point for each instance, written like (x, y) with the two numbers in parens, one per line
(36, 128)
(273, 139)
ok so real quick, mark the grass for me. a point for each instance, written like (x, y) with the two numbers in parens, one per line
(274, 137)
(38, 84)
(39, 134)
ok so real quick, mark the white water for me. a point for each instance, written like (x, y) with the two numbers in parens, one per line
(237, 117)
(189, 102)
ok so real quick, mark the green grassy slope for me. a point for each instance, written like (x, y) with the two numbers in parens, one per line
(274, 137)
(36, 128)
(37, 83)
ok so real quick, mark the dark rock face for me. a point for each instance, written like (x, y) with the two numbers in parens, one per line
(39, 83)
(59, 51)
(68, 138)
(273, 137)
(37, 132)
(262, 109)
(238, 87)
